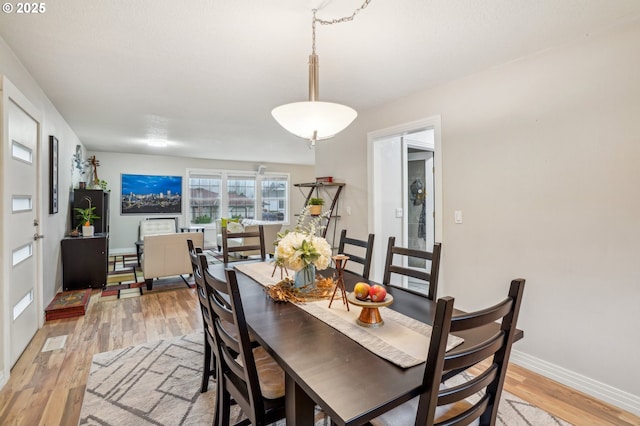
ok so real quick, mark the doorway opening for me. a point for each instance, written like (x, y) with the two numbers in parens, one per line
(405, 190)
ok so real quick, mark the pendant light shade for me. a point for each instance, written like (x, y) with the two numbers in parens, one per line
(314, 120)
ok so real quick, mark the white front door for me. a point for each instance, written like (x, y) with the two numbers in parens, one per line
(20, 217)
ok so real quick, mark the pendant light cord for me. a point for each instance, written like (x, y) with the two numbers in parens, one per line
(331, 22)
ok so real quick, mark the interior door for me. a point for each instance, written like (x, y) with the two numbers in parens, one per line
(21, 177)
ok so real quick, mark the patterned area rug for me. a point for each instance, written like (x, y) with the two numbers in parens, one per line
(158, 383)
(125, 279)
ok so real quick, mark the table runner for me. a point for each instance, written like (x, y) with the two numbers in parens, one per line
(402, 340)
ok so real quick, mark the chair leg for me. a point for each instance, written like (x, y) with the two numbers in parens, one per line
(149, 282)
(223, 408)
(206, 368)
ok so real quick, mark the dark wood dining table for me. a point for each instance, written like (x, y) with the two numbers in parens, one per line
(323, 366)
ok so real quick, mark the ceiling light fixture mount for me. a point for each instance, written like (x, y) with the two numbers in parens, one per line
(314, 120)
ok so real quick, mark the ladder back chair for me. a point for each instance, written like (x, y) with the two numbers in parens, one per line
(208, 369)
(246, 244)
(365, 260)
(454, 405)
(418, 273)
(247, 376)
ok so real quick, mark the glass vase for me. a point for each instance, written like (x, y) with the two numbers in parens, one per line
(305, 276)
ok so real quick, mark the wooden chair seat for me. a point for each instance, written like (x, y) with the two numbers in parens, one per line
(270, 375)
(406, 413)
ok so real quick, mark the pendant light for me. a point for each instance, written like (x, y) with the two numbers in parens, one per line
(314, 120)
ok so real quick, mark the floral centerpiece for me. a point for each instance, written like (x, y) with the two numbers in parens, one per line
(301, 250)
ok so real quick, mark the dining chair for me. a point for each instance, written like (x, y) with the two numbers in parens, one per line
(476, 399)
(247, 375)
(208, 369)
(368, 251)
(418, 273)
(244, 242)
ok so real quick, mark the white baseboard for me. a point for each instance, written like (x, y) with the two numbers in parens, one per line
(599, 390)
(125, 250)
(3, 379)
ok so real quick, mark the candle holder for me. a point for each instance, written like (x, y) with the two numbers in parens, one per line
(283, 269)
(340, 261)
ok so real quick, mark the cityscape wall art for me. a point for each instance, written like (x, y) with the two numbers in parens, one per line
(150, 194)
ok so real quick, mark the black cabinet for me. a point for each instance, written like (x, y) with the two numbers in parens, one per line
(85, 262)
(99, 200)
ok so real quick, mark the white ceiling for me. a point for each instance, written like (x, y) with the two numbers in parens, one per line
(205, 74)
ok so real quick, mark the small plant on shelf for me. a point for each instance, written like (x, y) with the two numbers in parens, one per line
(87, 216)
(316, 205)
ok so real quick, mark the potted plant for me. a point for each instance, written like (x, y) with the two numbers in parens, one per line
(87, 216)
(315, 204)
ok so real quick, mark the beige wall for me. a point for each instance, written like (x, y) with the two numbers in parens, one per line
(124, 229)
(542, 155)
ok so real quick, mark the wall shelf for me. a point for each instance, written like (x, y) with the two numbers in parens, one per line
(330, 191)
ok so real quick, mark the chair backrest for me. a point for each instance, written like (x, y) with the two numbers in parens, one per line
(157, 226)
(234, 350)
(243, 236)
(364, 260)
(193, 250)
(495, 347)
(196, 257)
(421, 274)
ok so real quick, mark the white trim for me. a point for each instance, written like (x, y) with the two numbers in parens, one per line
(594, 388)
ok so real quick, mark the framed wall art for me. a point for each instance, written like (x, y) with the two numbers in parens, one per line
(150, 194)
(53, 174)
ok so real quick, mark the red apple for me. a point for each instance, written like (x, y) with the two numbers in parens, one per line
(377, 293)
(361, 290)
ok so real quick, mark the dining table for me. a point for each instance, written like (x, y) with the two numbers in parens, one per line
(323, 366)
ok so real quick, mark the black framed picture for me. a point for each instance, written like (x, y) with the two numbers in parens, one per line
(150, 194)
(53, 174)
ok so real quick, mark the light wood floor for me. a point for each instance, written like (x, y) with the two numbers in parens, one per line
(46, 388)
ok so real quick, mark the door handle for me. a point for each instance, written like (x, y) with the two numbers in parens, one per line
(37, 237)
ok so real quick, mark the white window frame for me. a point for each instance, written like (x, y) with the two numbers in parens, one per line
(224, 199)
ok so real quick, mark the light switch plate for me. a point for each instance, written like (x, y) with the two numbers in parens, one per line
(457, 216)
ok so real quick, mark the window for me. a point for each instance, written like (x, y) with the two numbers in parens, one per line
(244, 195)
(241, 191)
(274, 198)
(205, 194)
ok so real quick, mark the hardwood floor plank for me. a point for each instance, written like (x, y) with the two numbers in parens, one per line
(47, 388)
(53, 407)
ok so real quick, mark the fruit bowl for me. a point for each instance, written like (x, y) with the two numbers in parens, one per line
(370, 315)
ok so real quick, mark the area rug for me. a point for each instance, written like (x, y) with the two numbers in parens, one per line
(158, 383)
(127, 280)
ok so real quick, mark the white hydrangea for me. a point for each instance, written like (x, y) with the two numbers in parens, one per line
(292, 253)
